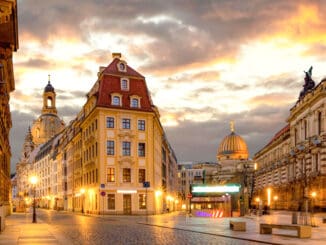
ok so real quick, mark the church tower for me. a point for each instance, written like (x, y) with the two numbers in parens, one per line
(48, 124)
(49, 100)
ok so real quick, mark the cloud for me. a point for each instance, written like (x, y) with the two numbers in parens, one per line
(199, 141)
(181, 32)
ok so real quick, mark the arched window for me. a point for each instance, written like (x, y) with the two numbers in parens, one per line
(305, 130)
(49, 102)
(116, 100)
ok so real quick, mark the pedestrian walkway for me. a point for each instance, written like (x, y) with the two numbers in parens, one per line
(20, 230)
(220, 227)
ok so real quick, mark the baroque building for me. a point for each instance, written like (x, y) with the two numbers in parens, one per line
(291, 168)
(114, 157)
(8, 44)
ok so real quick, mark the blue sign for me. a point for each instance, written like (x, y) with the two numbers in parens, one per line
(102, 186)
(146, 184)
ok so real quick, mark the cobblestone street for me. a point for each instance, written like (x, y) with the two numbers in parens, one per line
(74, 228)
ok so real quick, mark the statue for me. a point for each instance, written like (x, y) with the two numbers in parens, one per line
(308, 83)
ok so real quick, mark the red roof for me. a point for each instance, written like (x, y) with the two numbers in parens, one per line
(113, 69)
(110, 83)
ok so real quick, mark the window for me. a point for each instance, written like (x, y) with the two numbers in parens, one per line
(110, 147)
(141, 176)
(111, 201)
(111, 175)
(122, 67)
(110, 122)
(141, 125)
(319, 123)
(116, 100)
(124, 84)
(125, 123)
(134, 103)
(126, 148)
(141, 149)
(305, 130)
(126, 175)
(142, 201)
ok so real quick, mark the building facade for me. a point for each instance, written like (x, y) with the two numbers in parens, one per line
(8, 44)
(114, 157)
(291, 171)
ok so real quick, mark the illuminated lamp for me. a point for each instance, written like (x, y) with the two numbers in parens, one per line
(216, 189)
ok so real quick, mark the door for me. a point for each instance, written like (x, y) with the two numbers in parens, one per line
(126, 203)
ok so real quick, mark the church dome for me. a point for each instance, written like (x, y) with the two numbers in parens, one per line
(48, 88)
(45, 127)
(232, 147)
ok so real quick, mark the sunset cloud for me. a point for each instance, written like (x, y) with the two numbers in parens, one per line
(205, 62)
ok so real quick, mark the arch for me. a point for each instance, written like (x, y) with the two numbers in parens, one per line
(49, 102)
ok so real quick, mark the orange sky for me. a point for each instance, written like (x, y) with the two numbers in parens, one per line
(205, 62)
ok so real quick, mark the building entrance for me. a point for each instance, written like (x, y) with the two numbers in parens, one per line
(127, 204)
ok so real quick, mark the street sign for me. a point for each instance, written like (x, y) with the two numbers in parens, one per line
(189, 195)
(102, 186)
(102, 193)
(146, 184)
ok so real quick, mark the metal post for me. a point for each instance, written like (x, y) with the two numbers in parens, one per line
(146, 206)
(34, 206)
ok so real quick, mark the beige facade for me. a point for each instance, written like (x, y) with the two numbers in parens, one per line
(293, 165)
(100, 161)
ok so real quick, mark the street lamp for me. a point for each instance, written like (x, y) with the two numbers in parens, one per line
(33, 181)
(313, 195)
(82, 191)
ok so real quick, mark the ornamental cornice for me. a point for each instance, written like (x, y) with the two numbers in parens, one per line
(6, 7)
(127, 159)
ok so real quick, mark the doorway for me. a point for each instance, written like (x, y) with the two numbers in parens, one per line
(126, 203)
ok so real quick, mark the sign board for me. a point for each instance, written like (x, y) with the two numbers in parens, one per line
(146, 184)
(189, 195)
(102, 186)
(103, 193)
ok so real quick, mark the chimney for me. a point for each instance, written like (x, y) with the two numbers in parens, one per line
(116, 55)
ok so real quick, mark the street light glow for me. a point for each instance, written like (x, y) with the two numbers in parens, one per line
(33, 179)
(216, 189)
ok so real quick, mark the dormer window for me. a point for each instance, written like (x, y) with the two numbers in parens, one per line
(116, 99)
(124, 82)
(122, 67)
(135, 101)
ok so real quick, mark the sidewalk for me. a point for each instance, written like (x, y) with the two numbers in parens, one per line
(220, 227)
(20, 230)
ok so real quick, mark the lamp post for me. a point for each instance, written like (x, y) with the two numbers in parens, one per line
(82, 191)
(313, 195)
(33, 181)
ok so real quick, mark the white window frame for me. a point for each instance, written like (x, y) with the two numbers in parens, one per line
(120, 69)
(135, 97)
(121, 84)
(113, 95)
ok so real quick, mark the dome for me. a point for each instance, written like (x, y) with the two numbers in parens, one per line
(49, 88)
(45, 127)
(232, 147)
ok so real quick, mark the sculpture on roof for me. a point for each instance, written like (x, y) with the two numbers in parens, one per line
(308, 83)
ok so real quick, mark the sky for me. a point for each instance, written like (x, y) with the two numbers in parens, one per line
(205, 63)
